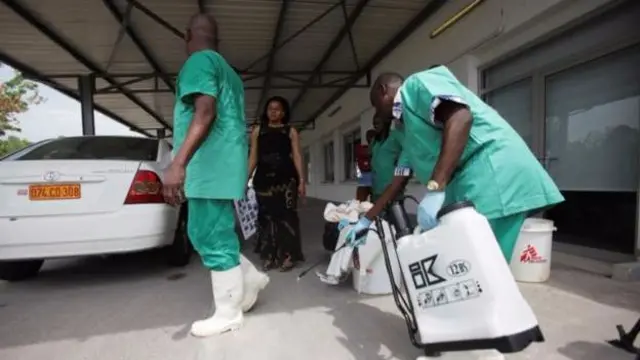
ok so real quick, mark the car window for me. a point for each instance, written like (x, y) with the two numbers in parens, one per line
(94, 148)
(15, 154)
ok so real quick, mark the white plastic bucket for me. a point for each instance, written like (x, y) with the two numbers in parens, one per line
(369, 273)
(531, 259)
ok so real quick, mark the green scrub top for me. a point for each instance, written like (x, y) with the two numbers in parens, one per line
(218, 169)
(386, 159)
(497, 171)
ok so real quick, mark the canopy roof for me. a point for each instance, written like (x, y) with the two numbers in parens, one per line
(308, 51)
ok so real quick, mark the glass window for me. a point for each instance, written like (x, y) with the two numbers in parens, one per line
(349, 141)
(94, 148)
(601, 29)
(329, 160)
(513, 102)
(593, 123)
(306, 158)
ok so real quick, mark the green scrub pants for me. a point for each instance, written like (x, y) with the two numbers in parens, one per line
(211, 228)
(507, 230)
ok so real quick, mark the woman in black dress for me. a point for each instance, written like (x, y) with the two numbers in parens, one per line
(278, 182)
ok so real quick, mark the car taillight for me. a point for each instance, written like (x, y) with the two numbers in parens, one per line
(146, 188)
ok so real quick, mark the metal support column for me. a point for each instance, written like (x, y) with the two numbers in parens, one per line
(161, 133)
(87, 85)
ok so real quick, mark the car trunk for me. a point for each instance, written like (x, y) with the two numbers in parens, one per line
(64, 187)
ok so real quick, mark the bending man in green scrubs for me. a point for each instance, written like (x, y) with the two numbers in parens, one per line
(210, 164)
(462, 149)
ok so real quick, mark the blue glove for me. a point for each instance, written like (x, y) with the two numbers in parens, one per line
(428, 209)
(357, 235)
(343, 223)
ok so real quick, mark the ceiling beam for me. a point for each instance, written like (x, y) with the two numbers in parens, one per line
(266, 85)
(35, 75)
(139, 43)
(155, 17)
(162, 22)
(357, 11)
(352, 43)
(431, 8)
(77, 55)
(293, 36)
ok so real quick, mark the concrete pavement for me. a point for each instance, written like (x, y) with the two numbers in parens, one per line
(133, 308)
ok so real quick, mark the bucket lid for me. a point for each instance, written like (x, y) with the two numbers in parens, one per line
(455, 206)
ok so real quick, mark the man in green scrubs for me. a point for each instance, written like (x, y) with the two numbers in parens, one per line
(210, 169)
(462, 149)
(390, 174)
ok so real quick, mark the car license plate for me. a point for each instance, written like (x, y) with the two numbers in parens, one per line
(54, 192)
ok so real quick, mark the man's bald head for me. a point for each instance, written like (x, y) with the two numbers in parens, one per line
(388, 79)
(384, 90)
(202, 32)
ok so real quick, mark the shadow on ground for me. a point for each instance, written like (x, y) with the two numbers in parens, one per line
(597, 288)
(581, 350)
(83, 299)
(135, 304)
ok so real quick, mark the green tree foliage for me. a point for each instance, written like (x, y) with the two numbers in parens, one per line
(17, 95)
(11, 144)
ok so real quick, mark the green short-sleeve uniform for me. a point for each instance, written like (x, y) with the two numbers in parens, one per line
(218, 169)
(497, 171)
(217, 173)
(385, 158)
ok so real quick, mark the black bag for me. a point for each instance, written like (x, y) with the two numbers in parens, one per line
(330, 236)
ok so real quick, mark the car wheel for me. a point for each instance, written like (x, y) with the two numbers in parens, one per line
(180, 251)
(19, 270)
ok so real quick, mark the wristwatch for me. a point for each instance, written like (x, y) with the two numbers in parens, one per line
(433, 185)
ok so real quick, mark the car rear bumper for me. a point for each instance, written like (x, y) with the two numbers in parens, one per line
(133, 228)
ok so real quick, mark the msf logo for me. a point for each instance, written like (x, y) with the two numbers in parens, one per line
(530, 256)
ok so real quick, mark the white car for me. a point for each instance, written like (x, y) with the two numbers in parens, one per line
(86, 195)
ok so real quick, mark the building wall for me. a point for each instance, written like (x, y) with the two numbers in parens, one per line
(491, 31)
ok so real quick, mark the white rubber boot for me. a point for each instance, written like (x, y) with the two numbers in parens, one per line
(227, 293)
(254, 282)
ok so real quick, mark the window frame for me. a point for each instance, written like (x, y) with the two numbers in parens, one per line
(539, 74)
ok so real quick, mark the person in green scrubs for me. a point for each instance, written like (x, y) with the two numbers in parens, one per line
(462, 149)
(209, 168)
(386, 150)
(390, 170)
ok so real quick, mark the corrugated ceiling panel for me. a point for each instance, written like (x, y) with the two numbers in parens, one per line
(377, 26)
(170, 49)
(311, 103)
(27, 44)
(304, 52)
(246, 30)
(91, 28)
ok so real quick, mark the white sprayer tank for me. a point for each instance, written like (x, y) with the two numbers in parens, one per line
(531, 260)
(463, 294)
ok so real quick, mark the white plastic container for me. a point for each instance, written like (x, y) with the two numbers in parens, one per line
(463, 294)
(531, 260)
(369, 272)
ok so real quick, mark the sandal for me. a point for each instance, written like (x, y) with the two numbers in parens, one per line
(267, 265)
(287, 264)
